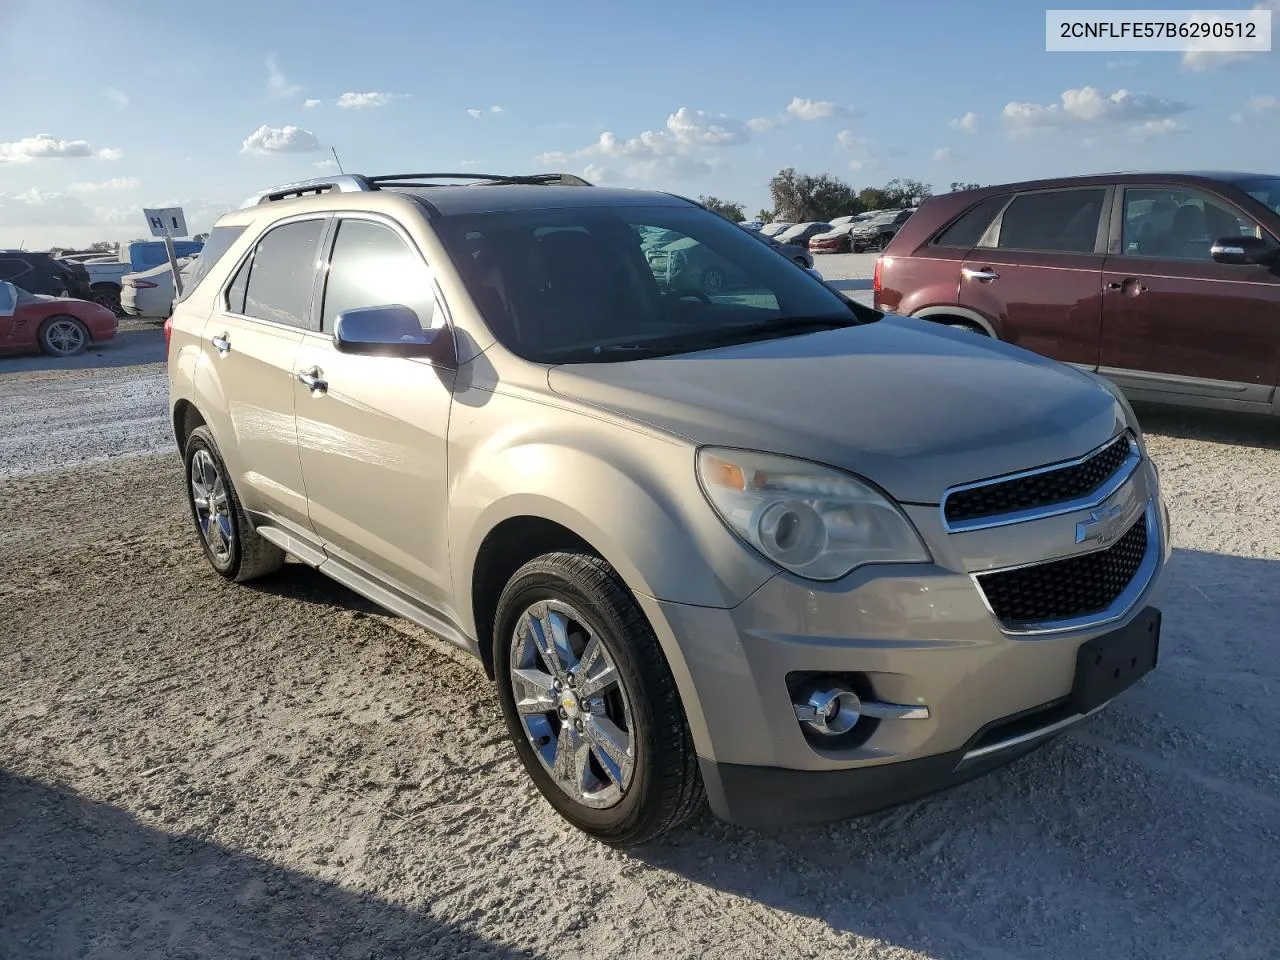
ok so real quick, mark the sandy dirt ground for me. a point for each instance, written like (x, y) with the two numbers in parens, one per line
(194, 769)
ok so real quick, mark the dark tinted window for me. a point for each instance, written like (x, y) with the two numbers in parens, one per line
(235, 293)
(973, 223)
(1063, 221)
(284, 266)
(219, 242)
(1174, 223)
(604, 284)
(11, 269)
(372, 267)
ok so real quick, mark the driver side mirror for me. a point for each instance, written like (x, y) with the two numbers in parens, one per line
(392, 330)
(1242, 250)
(8, 299)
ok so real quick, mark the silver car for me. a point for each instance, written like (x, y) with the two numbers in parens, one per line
(766, 548)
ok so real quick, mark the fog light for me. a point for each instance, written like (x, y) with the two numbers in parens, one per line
(830, 710)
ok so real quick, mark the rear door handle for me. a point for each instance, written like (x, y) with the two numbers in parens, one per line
(314, 379)
(222, 342)
(984, 275)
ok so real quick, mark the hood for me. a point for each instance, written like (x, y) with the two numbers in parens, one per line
(909, 405)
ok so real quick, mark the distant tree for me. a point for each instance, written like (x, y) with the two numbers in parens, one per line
(801, 197)
(200, 237)
(732, 211)
(906, 193)
(764, 216)
(873, 198)
(105, 246)
(958, 185)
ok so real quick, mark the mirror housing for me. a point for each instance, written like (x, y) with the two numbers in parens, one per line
(1242, 250)
(392, 330)
(8, 299)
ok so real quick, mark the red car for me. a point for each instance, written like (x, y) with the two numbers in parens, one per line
(58, 326)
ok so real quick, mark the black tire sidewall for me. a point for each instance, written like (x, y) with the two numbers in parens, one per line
(202, 439)
(526, 588)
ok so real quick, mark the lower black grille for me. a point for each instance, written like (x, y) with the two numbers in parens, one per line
(1065, 589)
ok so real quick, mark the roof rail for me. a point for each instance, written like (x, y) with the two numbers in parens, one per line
(355, 183)
(345, 183)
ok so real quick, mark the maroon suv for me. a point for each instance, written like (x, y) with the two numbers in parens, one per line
(1166, 284)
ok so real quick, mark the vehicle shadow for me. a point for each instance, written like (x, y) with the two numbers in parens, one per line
(137, 343)
(84, 878)
(1214, 426)
(1150, 831)
(303, 583)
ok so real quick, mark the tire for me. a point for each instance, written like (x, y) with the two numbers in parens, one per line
(885, 240)
(231, 545)
(859, 246)
(108, 296)
(617, 804)
(964, 325)
(712, 281)
(801, 261)
(63, 336)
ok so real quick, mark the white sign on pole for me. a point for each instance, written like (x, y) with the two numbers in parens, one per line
(166, 222)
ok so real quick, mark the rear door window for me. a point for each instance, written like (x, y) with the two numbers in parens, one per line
(1053, 221)
(283, 273)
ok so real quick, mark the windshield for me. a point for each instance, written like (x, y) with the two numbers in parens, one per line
(1266, 192)
(615, 283)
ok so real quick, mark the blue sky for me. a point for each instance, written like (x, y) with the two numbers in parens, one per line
(150, 104)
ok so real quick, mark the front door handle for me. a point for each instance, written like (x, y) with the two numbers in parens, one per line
(222, 342)
(1130, 285)
(985, 275)
(314, 379)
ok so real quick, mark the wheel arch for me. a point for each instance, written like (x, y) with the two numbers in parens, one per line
(186, 417)
(939, 313)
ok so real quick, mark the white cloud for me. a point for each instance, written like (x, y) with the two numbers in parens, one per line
(1158, 128)
(1261, 104)
(475, 113)
(361, 101)
(594, 173)
(1088, 105)
(115, 183)
(864, 153)
(805, 109)
(761, 124)
(968, 123)
(278, 86)
(326, 165)
(310, 103)
(698, 126)
(496, 109)
(1208, 53)
(287, 139)
(116, 96)
(943, 154)
(43, 147)
(109, 153)
(35, 208)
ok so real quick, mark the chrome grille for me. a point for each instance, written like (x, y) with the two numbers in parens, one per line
(1039, 488)
(1078, 586)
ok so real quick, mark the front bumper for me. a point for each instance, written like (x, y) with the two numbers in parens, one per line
(912, 635)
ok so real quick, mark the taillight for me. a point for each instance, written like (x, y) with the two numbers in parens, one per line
(142, 284)
(168, 333)
(875, 279)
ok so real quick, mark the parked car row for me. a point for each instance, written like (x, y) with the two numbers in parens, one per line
(1166, 284)
(856, 232)
(58, 326)
(104, 273)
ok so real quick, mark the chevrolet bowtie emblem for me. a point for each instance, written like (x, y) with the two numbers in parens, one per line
(1103, 526)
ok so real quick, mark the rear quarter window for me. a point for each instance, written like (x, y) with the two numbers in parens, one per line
(219, 242)
(967, 229)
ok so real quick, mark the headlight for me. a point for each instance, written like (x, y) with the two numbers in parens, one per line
(814, 521)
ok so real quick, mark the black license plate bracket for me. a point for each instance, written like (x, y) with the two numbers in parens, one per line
(1108, 665)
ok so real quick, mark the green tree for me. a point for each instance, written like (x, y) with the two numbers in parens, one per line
(105, 246)
(801, 197)
(958, 185)
(731, 211)
(873, 198)
(764, 216)
(906, 193)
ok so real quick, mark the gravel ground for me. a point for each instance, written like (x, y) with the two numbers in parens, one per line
(195, 769)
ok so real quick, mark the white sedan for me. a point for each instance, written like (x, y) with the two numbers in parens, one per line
(149, 294)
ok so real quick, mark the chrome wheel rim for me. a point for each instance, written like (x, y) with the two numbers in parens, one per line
(213, 513)
(712, 281)
(571, 704)
(64, 337)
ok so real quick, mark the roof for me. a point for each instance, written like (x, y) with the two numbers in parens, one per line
(1124, 176)
(456, 201)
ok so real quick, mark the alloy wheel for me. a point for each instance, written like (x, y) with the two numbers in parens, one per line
(212, 505)
(64, 337)
(571, 703)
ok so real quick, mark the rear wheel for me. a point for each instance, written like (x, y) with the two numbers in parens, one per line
(108, 296)
(712, 281)
(231, 545)
(590, 702)
(63, 336)
(859, 246)
(964, 325)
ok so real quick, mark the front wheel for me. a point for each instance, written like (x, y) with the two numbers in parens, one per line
(712, 281)
(859, 246)
(590, 702)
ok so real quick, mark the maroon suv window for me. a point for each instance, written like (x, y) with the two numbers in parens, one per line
(968, 229)
(1057, 221)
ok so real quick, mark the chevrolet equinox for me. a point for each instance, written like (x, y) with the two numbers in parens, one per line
(762, 548)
